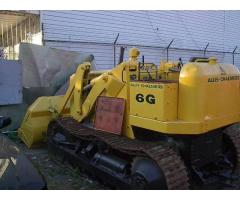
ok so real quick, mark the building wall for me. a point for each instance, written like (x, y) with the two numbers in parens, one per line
(152, 31)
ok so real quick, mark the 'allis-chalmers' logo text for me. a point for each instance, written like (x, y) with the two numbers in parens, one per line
(223, 78)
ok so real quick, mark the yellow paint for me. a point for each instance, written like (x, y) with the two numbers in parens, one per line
(169, 70)
(205, 93)
(39, 114)
(203, 96)
(157, 100)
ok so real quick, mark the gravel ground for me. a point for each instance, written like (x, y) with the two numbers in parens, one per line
(61, 176)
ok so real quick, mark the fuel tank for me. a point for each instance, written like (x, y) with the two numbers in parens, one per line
(209, 92)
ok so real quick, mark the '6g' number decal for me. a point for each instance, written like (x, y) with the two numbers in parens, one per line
(149, 98)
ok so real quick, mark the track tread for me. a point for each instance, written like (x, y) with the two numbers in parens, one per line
(168, 160)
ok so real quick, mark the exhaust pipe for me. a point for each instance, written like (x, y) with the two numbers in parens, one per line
(121, 56)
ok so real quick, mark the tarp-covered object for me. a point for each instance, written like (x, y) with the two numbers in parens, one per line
(46, 71)
(41, 64)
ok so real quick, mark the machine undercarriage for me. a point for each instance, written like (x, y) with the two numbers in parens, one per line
(133, 164)
(128, 164)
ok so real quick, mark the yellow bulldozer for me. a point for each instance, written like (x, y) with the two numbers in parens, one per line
(140, 126)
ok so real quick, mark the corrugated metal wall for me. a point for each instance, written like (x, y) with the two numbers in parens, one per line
(95, 32)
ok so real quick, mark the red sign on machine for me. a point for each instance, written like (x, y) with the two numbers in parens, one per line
(109, 114)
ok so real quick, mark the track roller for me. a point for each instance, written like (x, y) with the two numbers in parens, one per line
(146, 174)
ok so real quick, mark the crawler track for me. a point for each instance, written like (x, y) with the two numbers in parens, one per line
(169, 161)
(233, 134)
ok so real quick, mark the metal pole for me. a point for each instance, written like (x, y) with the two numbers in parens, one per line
(233, 54)
(16, 29)
(34, 25)
(25, 31)
(13, 56)
(42, 30)
(29, 29)
(114, 49)
(8, 51)
(206, 49)
(2, 35)
(169, 47)
(121, 56)
(20, 26)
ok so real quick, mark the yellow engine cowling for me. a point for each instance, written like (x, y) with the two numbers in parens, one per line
(209, 93)
(155, 100)
(207, 98)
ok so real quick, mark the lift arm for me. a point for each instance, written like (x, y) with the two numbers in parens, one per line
(80, 108)
(75, 88)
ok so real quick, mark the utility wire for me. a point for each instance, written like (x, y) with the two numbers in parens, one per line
(155, 30)
(187, 30)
